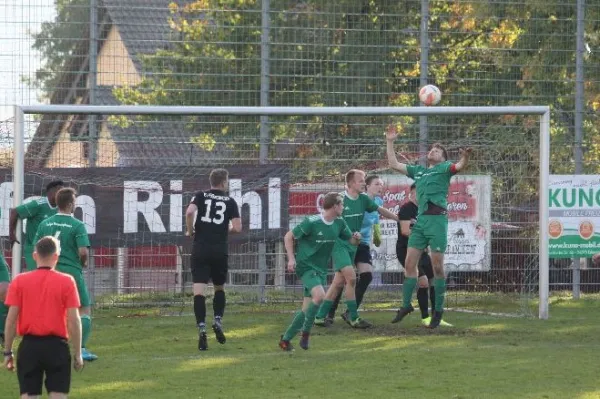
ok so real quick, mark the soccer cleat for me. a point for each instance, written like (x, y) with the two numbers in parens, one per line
(324, 322)
(402, 312)
(87, 355)
(436, 320)
(360, 324)
(426, 321)
(304, 340)
(346, 317)
(219, 335)
(202, 341)
(445, 324)
(285, 345)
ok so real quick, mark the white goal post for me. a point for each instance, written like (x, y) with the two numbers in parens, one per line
(542, 111)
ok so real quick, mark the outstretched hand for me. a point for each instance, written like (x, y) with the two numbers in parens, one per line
(465, 151)
(391, 133)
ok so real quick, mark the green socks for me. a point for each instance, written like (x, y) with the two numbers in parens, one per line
(86, 329)
(407, 291)
(440, 293)
(3, 314)
(309, 320)
(295, 326)
(352, 309)
(325, 308)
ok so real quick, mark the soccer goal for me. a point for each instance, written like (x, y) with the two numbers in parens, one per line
(136, 168)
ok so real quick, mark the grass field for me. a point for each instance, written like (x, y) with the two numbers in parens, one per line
(145, 355)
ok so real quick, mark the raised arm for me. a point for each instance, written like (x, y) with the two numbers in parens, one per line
(387, 213)
(462, 163)
(393, 162)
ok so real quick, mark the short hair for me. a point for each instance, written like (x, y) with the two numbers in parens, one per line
(370, 179)
(332, 199)
(413, 186)
(218, 177)
(441, 147)
(47, 246)
(53, 184)
(65, 197)
(351, 173)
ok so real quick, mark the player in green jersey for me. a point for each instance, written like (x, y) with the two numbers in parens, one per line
(34, 212)
(356, 203)
(74, 253)
(316, 237)
(4, 281)
(431, 227)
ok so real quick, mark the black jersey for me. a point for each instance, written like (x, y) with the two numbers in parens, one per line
(408, 211)
(215, 211)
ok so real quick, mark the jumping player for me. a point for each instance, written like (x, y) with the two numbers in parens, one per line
(356, 203)
(217, 215)
(316, 237)
(431, 227)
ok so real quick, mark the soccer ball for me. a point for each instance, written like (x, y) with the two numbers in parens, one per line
(430, 95)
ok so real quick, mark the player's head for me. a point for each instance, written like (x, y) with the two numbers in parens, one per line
(51, 190)
(437, 154)
(46, 252)
(65, 200)
(219, 179)
(355, 180)
(334, 201)
(412, 194)
(374, 185)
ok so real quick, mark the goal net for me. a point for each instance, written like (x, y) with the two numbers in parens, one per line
(136, 168)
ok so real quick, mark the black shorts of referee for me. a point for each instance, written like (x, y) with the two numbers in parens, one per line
(39, 356)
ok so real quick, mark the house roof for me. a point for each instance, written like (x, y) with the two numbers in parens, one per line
(144, 29)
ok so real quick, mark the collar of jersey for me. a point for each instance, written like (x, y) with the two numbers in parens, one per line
(325, 221)
(348, 195)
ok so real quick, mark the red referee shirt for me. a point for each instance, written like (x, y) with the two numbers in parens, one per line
(43, 297)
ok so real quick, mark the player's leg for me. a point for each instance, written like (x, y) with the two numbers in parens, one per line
(354, 320)
(219, 277)
(4, 281)
(85, 309)
(310, 309)
(57, 366)
(310, 279)
(29, 370)
(364, 264)
(336, 287)
(423, 296)
(329, 319)
(417, 242)
(438, 242)
(200, 279)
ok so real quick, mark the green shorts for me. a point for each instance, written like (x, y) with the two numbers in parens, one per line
(29, 262)
(312, 279)
(77, 274)
(343, 256)
(430, 230)
(4, 273)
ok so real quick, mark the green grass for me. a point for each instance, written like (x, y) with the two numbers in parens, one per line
(144, 355)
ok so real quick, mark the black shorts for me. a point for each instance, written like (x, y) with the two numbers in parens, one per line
(363, 255)
(208, 266)
(39, 356)
(425, 266)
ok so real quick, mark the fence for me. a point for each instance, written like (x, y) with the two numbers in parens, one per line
(302, 54)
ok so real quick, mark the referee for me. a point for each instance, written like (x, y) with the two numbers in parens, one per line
(44, 309)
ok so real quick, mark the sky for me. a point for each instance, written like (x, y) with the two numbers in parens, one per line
(18, 18)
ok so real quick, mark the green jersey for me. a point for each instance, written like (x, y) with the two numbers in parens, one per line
(72, 235)
(432, 184)
(354, 211)
(316, 238)
(35, 212)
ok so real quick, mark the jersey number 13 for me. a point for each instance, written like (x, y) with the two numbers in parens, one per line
(220, 208)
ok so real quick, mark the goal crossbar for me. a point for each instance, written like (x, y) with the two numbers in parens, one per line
(542, 111)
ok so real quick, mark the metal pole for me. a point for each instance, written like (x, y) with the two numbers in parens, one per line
(577, 148)
(423, 127)
(92, 137)
(264, 125)
(18, 183)
(544, 215)
(265, 49)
